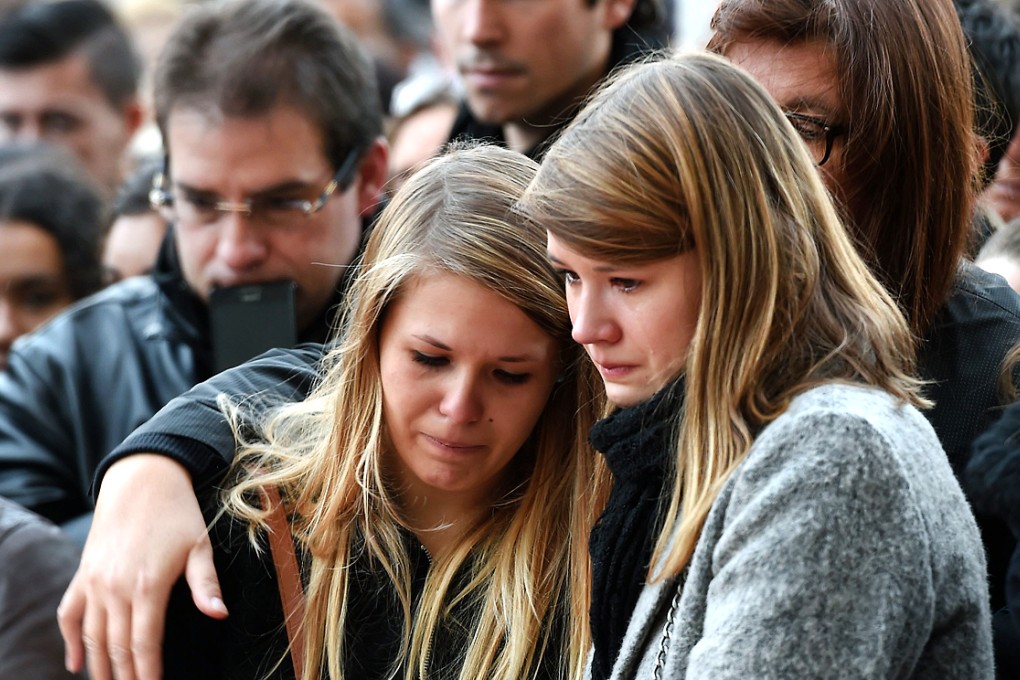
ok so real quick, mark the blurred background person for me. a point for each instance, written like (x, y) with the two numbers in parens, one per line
(51, 218)
(1001, 254)
(69, 75)
(137, 228)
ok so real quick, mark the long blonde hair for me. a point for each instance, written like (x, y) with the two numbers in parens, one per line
(690, 153)
(527, 558)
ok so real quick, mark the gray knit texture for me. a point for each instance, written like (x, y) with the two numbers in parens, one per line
(842, 547)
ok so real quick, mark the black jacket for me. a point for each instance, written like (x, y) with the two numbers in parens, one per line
(252, 641)
(79, 385)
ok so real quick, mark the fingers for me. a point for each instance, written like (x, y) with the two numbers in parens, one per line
(118, 640)
(148, 618)
(113, 615)
(200, 574)
(69, 617)
(94, 638)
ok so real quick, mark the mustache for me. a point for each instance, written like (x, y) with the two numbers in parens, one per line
(488, 61)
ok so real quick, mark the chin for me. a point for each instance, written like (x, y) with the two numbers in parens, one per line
(623, 397)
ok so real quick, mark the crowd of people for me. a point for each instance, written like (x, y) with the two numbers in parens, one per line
(489, 339)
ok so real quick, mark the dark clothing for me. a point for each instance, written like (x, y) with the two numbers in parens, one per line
(37, 562)
(963, 354)
(253, 639)
(81, 383)
(993, 477)
(636, 443)
(192, 429)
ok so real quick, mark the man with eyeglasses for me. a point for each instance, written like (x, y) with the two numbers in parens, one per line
(272, 127)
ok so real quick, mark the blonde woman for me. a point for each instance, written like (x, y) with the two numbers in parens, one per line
(780, 507)
(435, 482)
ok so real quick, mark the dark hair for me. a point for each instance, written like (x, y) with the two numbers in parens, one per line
(40, 33)
(44, 186)
(905, 80)
(993, 36)
(245, 57)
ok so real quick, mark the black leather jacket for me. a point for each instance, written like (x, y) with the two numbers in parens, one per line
(79, 385)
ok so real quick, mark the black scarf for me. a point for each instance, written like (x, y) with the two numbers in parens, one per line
(636, 443)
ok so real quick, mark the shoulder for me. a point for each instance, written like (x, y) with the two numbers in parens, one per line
(852, 413)
(90, 342)
(850, 447)
(978, 295)
(123, 304)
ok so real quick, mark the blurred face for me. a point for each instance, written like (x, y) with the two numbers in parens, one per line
(465, 376)
(33, 286)
(635, 322)
(132, 244)
(1005, 267)
(524, 62)
(59, 103)
(802, 78)
(1003, 194)
(270, 159)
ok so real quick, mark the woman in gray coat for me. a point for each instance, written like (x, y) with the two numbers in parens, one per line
(779, 508)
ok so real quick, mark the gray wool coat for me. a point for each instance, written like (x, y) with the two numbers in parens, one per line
(841, 547)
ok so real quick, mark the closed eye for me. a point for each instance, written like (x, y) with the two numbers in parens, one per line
(512, 378)
(430, 360)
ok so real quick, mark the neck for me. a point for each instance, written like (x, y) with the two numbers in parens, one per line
(525, 134)
(439, 520)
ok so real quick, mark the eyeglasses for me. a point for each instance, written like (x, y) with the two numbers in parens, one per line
(196, 208)
(817, 133)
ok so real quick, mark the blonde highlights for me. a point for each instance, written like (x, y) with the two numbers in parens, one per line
(526, 560)
(693, 155)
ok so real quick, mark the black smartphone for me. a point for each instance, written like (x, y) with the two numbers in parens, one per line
(248, 320)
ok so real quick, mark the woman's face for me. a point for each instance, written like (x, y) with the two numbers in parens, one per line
(802, 78)
(465, 377)
(33, 285)
(636, 321)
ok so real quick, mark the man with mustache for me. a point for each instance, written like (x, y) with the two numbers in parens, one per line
(527, 65)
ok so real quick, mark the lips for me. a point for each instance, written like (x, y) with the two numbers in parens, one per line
(452, 445)
(486, 74)
(612, 370)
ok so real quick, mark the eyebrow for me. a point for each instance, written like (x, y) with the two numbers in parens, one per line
(283, 187)
(518, 359)
(813, 104)
(602, 268)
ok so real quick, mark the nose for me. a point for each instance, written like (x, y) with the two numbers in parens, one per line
(482, 22)
(463, 401)
(241, 245)
(591, 322)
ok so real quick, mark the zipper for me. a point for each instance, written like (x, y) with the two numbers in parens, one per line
(428, 647)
